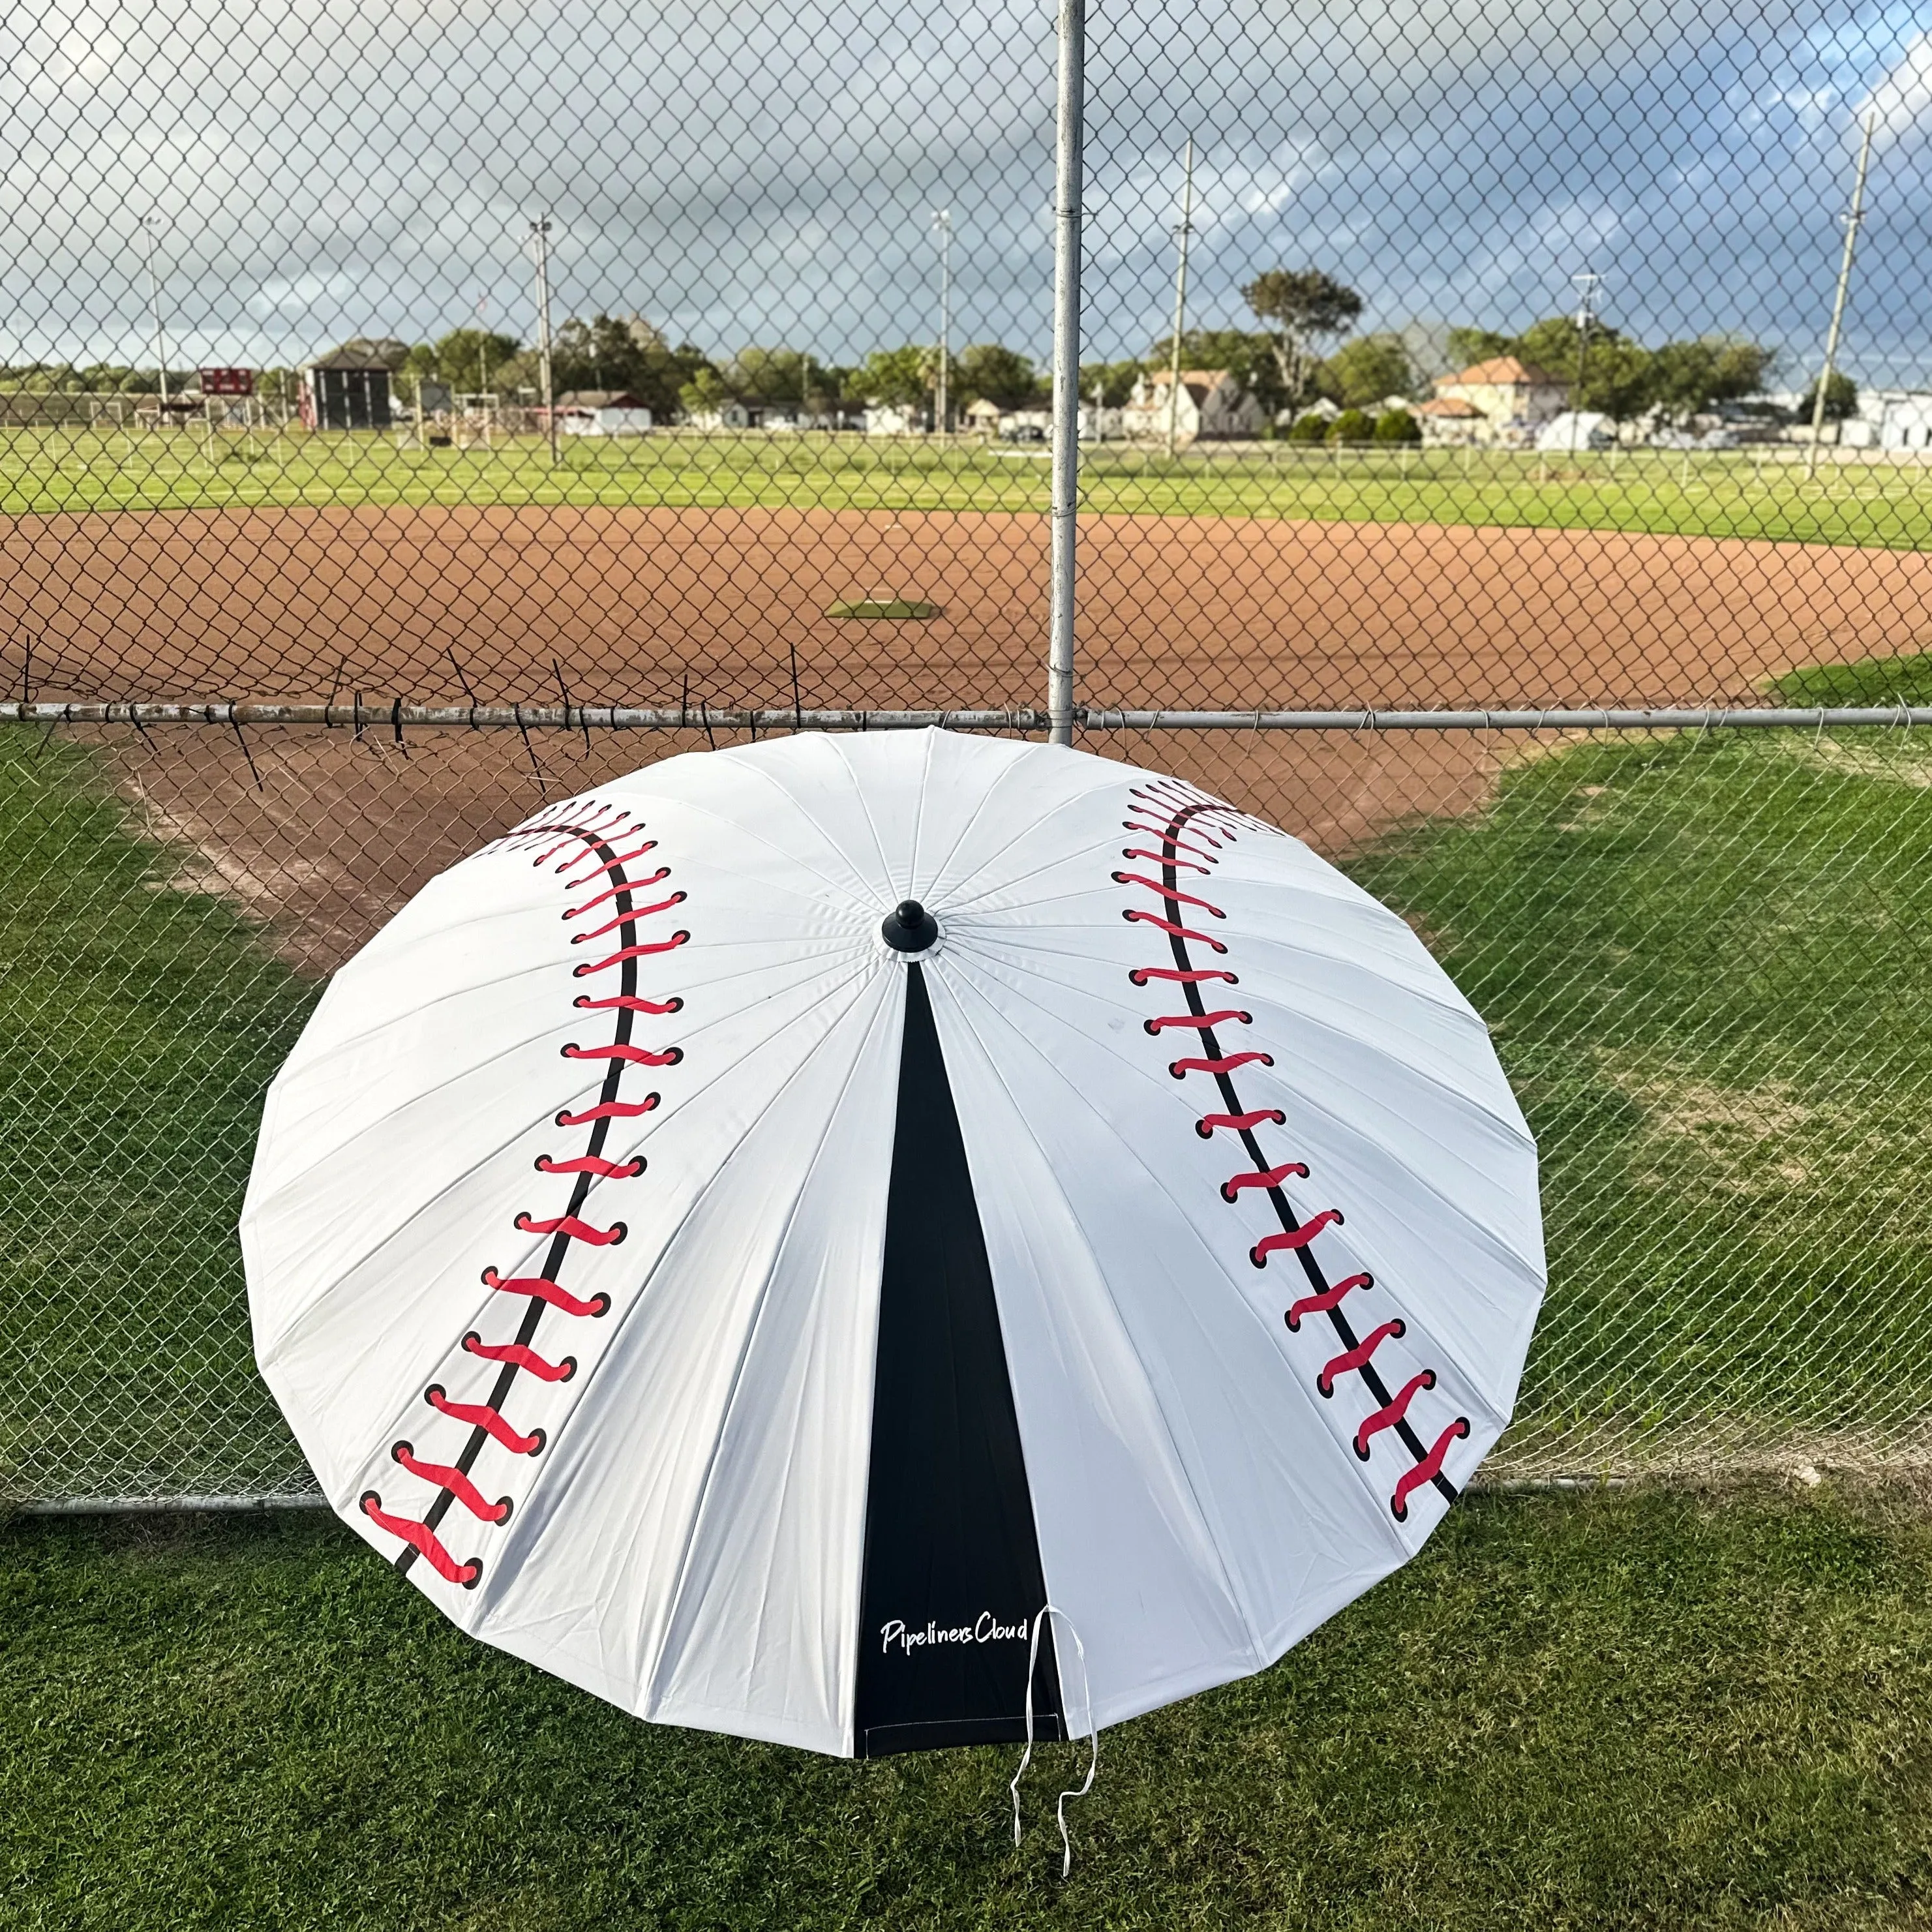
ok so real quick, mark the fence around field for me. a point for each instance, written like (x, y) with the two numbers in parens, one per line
(1699, 945)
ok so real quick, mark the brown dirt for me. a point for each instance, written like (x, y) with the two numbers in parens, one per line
(722, 607)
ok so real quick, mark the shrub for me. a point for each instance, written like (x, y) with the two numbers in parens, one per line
(1352, 426)
(1397, 426)
(1312, 427)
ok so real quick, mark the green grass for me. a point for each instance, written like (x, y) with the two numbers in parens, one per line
(1899, 680)
(1740, 494)
(139, 1026)
(1705, 961)
(1629, 1709)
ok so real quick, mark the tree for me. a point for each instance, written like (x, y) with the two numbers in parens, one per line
(468, 359)
(1368, 370)
(1841, 399)
(1468, 346)
(1397, 426)
(900, 378)
(1303, 303)
(1311, 427)
(704, 394)
(1247, 356)
(625, 354)
(1002, 377)
(1352, 426)
(1114, 380)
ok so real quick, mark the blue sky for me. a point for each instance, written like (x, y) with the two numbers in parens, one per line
(766, 174)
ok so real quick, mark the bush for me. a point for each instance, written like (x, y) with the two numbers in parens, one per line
(1352, 426)
(1397, 426)
(1312, 427)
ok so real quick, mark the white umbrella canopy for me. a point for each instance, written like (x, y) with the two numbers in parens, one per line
(749, 1239)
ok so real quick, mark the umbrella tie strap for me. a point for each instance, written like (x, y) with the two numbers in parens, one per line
(631, 1056)
(1329, 1297)
(1182, 815)
(592, 1163)
(1092, 1733)
(608, 1110)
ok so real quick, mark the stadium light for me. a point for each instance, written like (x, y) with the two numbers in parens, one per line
(942, 220)
(148, 222)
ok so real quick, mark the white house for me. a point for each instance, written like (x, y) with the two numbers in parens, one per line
(898, 419)
(1888, 419)
(1211, 404)
(601, 412)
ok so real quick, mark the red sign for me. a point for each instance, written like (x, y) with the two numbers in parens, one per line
(227, 382)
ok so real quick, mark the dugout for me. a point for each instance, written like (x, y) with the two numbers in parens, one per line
(351, 389)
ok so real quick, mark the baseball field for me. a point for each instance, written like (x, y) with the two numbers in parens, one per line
(1698, 956)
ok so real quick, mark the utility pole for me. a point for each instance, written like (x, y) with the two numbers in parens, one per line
(942, 219)
(1185, 229)
(1856, 215)
(1586, 286)
(540, 235)
(155, 302)
(1069, 169)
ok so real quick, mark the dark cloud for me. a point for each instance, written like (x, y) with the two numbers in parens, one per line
(766, 174)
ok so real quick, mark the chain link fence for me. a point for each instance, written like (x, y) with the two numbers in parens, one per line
(1503, 444)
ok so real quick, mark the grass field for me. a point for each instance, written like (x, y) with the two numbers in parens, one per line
(1747, 494)
(1635, 1709)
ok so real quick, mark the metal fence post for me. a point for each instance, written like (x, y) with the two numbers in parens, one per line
(1067, 197)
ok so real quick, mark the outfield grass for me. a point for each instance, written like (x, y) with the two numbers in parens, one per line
(1621, 1709)
(1704, 959)
(1759, 494)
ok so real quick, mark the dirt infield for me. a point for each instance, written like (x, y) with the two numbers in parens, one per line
(719, 607)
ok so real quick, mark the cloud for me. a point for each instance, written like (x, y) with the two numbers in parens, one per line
(765, 173)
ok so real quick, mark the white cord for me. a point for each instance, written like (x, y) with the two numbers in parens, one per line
(1092, 1732)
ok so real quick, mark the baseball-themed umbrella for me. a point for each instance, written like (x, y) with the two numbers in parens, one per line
(751, 1238)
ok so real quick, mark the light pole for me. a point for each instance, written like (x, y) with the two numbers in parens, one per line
(1185, 229)
(942, 220)
(540, 237)
(148, 222)
(1586, 286)
(1856, 215)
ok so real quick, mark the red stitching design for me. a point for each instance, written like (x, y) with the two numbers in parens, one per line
(591, 835)
(445, 1476)
(547, 1290)
(1329, 1297)
(473, 1344)
(423, 1540)
(482, 1415)
(1358, 1357)
(1183, 808)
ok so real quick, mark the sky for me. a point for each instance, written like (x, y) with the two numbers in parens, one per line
(309, 170)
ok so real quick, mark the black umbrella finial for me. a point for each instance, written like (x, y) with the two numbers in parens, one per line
(909, 927)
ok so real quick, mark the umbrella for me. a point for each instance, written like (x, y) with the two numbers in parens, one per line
(755, 1237)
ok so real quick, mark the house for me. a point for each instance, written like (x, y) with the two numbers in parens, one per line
(600, 412)
(350, 389)
(1449, 423)
(1513, 400)
(898, 419)
(1211, 403)
(981, 417)
(1887, 419)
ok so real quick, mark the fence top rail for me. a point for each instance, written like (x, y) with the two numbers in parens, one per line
(395, 717)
